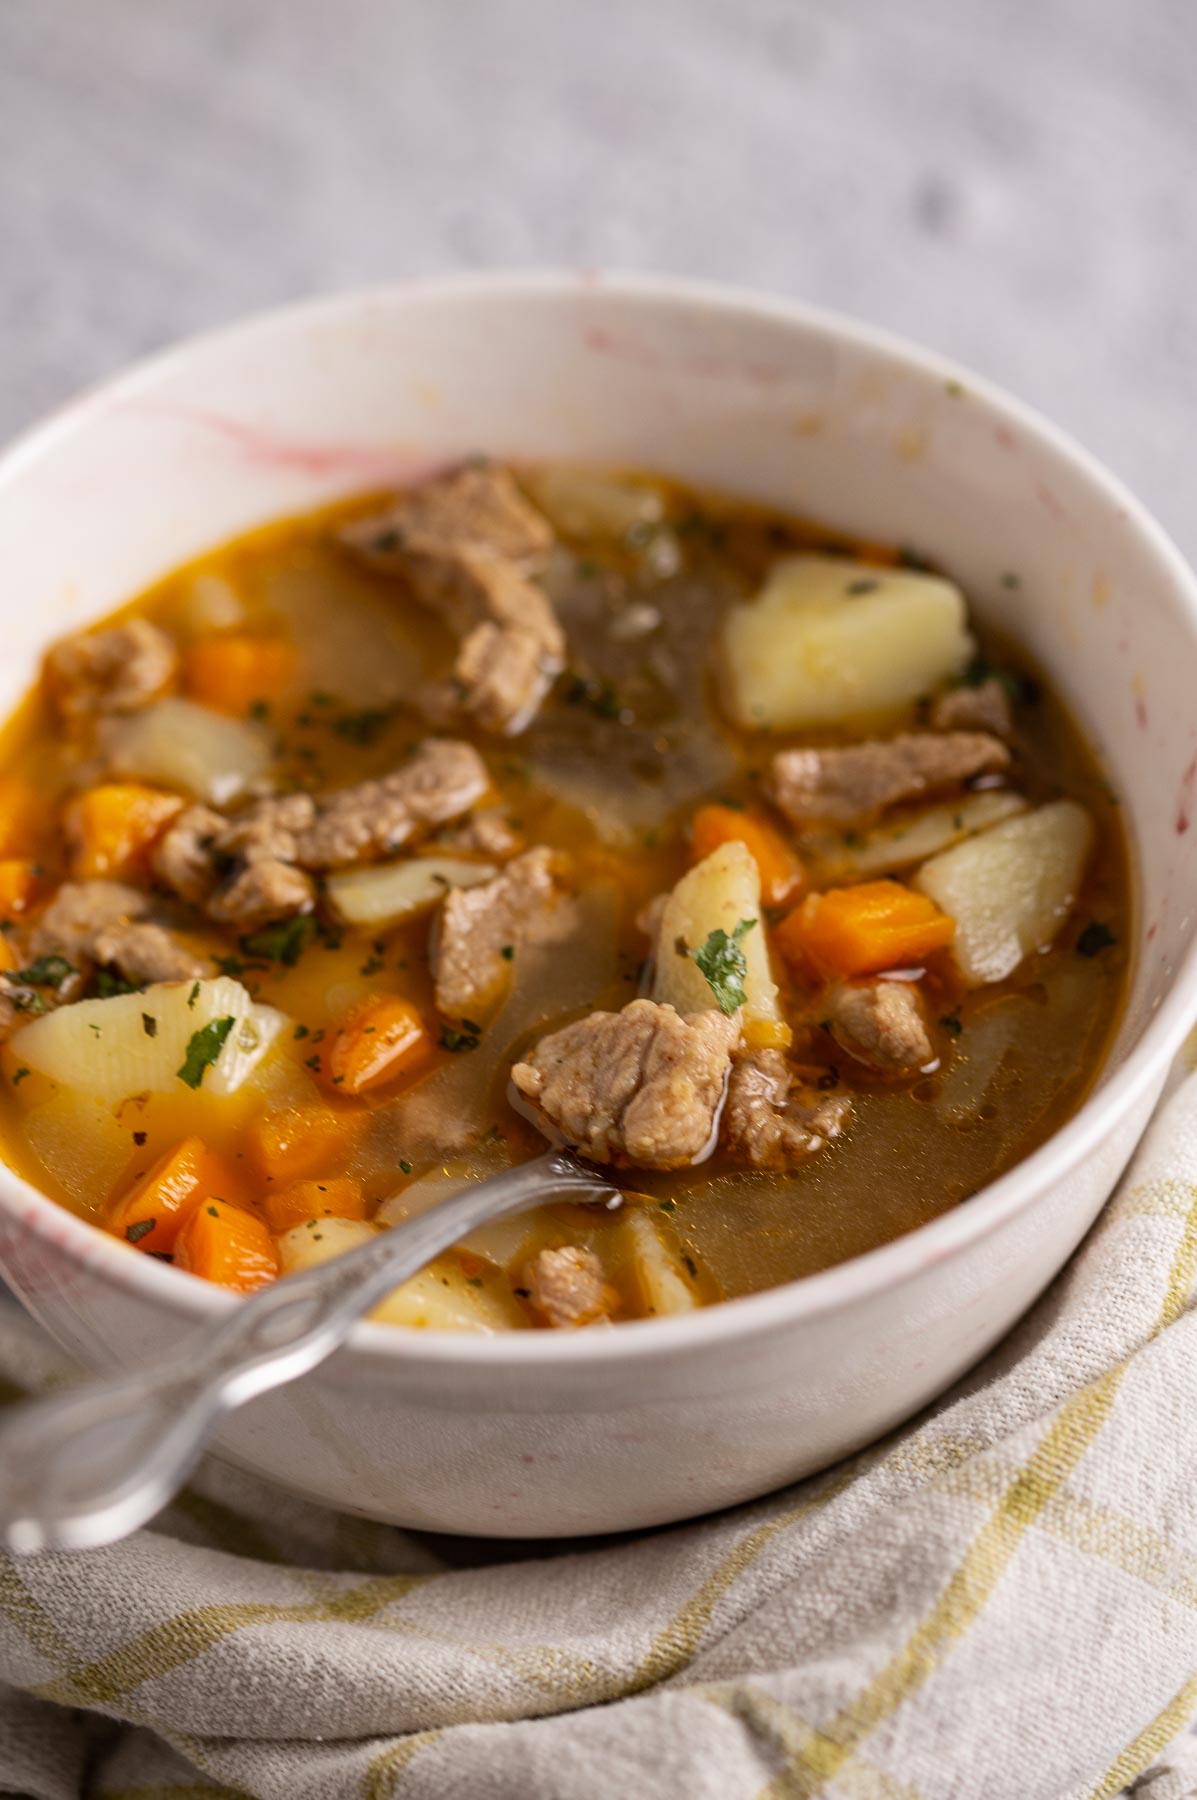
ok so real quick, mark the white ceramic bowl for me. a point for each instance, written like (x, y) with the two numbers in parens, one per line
(553, 1434)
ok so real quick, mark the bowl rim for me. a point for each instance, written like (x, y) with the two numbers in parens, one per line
(808, 1297)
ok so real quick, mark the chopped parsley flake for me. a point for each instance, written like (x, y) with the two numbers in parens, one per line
(364, 727)
(139, 1229)
(45, 971)
(108, 984)
(19, 1077)
(283, 943)
(203, 1049)
(405, 1166)
(721, 960)
(951, 1022)
(193, 996)
(507, 952)
(149, 1024)
(465, 1039)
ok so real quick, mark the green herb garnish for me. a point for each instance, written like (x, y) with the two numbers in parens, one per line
(1095, 938)
(108, 985)
(721, 960)
(19, 1077)
(284, 943)
(45, 971)
(193, 996)
(405, 1166)
(149, 1024)
(452, 1039)
(507, 952)
(141, 1228)
(203, 1048)
(364, 727)
(951, 1022)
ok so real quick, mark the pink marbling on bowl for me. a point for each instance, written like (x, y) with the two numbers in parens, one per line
(536, 1434)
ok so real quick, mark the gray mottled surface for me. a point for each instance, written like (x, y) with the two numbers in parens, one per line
(1011, 180)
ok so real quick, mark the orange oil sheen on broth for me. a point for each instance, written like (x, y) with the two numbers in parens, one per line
(610, 773)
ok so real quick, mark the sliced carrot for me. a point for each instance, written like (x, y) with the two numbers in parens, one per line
(153, 1210)
(379, 1041)
(233, 672)
(338, 1197)
(782, 875)
(861, 930)
(294, 1141)
(226, 1245)
(111, 829)
(18, 884)
(22, 815)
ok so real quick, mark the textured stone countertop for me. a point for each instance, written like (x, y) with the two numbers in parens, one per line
(1009, 180)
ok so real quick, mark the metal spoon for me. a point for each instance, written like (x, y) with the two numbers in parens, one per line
(90, 1466)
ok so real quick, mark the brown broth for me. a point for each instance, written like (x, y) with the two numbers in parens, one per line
(610, 771)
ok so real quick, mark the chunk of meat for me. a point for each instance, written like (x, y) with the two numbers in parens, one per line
(182, 859)
(143, 952)
(442, 780)
(642, 1086)
(104, 922)
(985, 707)
(249, 869)
(566, 1286)
(487, 833)
(765, 1125)
(512, 647)
(482, 927)
(479, 504)
(116, 670)
(465, 545)
(269, 830)
(80, 913)
(881, 1023)
(260, 892)
(851, 781)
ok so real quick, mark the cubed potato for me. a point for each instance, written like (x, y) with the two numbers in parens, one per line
(594, 503)
(384, 893)
(80, 1145)
(178, 744)
(1011, 888)
(656, 1266)
(906, 838)
(828, 640)
(440, 1298)
(717, 894)
(137, 1043)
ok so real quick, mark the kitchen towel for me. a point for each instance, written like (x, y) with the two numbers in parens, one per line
(999, 1602)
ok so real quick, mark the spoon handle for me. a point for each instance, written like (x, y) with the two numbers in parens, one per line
(89, 1466)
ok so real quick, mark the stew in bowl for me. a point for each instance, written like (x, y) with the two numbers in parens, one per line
(350, 861)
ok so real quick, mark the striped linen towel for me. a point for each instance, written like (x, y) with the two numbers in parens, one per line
(997, 1603)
